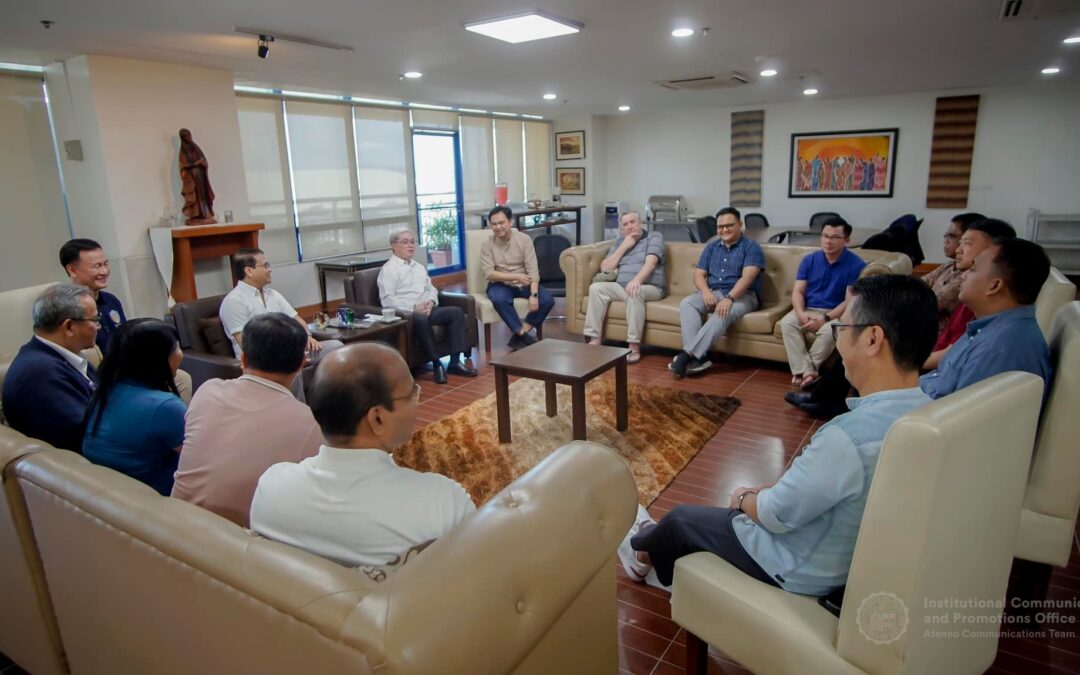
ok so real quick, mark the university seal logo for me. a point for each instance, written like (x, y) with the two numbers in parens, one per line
(882, 618)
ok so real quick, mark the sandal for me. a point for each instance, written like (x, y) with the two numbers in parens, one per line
(808, 379)
(633, 357)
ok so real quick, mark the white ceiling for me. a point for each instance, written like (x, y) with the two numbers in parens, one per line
(850, 47)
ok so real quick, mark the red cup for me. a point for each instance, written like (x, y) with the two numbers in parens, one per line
(502, 194)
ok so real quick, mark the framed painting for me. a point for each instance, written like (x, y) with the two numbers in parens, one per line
(570, 145)
(843, 163)
(571, 180)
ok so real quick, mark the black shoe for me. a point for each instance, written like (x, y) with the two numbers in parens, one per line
(458, 367)
(529, 339)
(678, 366)
(797, 398)
(698, 366)
(517, 342)
(439, 372)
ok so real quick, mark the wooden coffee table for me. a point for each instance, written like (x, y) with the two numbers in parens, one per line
(560, 362)
(378, 331)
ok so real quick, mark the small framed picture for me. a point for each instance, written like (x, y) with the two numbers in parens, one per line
(571, 180)
(570, 145)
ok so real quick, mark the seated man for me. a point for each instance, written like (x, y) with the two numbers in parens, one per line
(945, 279)
(350, 503)
(404, 284)
(49, 385)
(978, 237)
(728, 286)
(639, 260)
(799, 533)
(508, 260)
(818, 299)
(236, 429)
(251, 297)
(1000, 289)
(86, 265)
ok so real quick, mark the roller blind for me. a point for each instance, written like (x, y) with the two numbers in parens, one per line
(510, 158)
(442, 120)
(477, 167)
(538, 179)
(261, 132)
(384, 173)
(327, 207)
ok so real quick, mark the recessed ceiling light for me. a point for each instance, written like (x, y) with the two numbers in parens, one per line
(550, 97)
(624, 108)
(1051, 71)
(414, 75)
(769, 72)
(1072, 40)
(524, 27)
(809, 92)
(682, 32)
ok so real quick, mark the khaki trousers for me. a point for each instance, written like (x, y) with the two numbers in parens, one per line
(602, 293)
(801, 359)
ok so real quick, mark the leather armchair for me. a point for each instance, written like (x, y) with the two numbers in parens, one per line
(362, 296)
(198, 359)
(933, 530)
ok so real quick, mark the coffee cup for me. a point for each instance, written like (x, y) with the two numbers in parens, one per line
(388, 314)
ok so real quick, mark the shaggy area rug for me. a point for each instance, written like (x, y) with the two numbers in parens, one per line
(667, 428)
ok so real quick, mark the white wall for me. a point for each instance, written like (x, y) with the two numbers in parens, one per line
(127, 113)
(1027, 155)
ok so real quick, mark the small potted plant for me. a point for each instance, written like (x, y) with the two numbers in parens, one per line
(439, 237)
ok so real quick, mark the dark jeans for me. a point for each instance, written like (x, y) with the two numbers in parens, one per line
(452, 319)
(502, 296)
(689, 529)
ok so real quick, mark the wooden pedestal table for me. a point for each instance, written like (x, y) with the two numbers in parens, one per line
(378, 331)
(203, 242)
(561, 362)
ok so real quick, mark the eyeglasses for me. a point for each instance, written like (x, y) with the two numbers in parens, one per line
(265, 265)
(96, 320)
(406, 242)
(414, 394)
(837, 326)
(726, 226)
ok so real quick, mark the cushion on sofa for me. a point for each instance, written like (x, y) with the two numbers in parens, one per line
(214, 334)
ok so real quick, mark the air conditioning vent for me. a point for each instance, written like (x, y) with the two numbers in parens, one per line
(1013, 10)
(705, 82)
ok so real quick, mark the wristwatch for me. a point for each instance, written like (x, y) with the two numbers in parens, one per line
(535, 295)
(728, 296)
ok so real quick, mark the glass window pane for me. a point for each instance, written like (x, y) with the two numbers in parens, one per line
(434, 164)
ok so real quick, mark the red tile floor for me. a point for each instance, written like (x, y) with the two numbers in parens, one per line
(753, 447)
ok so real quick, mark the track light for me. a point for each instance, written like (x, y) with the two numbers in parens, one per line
(264, 45)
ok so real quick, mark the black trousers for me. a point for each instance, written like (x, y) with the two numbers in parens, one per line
(452, 319)
(833, 387)
(690, 529)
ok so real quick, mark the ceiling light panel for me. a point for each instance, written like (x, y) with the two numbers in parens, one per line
(524, 27)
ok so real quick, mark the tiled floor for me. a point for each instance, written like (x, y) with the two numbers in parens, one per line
(753, 447)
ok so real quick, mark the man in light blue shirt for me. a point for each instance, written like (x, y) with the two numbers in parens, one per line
(799, 533)
(1000, 288)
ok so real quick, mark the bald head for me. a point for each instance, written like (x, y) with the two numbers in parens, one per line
(357, 391)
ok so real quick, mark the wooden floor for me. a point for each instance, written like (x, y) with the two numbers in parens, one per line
(753, 447)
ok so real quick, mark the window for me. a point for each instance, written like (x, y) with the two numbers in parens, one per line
(384, 170)
(262, 141)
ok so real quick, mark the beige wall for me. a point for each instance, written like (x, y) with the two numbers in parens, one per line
(127, 112)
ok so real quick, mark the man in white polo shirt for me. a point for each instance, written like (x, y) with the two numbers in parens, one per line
(253, 296)
(350, 503)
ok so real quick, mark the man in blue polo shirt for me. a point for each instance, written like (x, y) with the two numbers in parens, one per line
(818, 299)
(1000, 288)
(87, 265)
(728, 287)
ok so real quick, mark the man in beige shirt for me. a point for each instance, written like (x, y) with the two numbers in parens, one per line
(236, 429)
(509, 263)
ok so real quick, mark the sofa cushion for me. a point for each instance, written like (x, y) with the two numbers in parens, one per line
(214, 334)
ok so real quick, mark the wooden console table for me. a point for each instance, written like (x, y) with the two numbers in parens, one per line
(202, 242)
(555, 215)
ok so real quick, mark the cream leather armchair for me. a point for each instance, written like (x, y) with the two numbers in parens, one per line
(1055, 292)
(1048, 519)
(148, 584)
(933, 530)
(476, 286)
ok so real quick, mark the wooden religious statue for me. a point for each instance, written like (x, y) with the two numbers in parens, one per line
(195, 183)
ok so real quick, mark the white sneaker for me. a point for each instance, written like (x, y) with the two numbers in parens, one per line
(635, 569)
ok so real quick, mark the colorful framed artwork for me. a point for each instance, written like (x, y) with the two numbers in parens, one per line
(843, 163)
(570, 145)
(571, 180)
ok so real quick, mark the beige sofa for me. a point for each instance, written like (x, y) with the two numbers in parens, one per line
(139, 583)
(757, 334)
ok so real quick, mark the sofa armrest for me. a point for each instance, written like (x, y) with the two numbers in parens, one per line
(203, 366)
(507, 574)
(466, 302)
(580, 264)
(890, 263)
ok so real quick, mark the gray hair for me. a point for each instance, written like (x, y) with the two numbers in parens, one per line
(57, 304)
(394, 234)
(627, 213)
